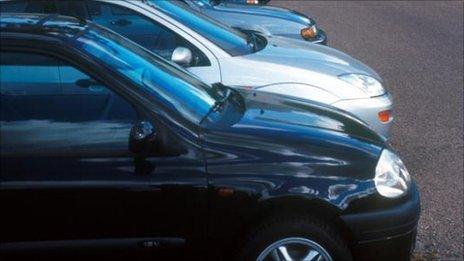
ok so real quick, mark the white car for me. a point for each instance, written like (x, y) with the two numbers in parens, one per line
(242, 59)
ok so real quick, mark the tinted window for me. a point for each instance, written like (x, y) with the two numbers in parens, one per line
(40, 7)
(173, 87)
(72, 8)
(12, 58)
(47, 7)
(138, 28)
(230, 40)
(116, 10)
(47, 104)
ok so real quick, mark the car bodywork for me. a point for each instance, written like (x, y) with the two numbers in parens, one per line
(279, 65)
(271, 152)
(268, 20)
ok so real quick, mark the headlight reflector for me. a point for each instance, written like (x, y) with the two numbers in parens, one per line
(392, 179)
(366, 83)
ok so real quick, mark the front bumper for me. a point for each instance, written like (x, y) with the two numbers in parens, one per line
(368, 111)
(386, 233)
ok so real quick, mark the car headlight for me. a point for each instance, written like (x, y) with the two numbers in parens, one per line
(392, 179)
(309, 32)
(366, 83)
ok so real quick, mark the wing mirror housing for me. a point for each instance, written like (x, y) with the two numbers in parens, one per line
(182, 56)
(141, 137)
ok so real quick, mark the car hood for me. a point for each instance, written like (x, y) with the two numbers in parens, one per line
(268, 11)
(286, 60)
(278, 135)
(290, 114)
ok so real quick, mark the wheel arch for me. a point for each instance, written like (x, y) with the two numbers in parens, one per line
(298, 206)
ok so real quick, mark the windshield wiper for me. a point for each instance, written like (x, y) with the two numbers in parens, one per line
(223, 91)
(252, 41)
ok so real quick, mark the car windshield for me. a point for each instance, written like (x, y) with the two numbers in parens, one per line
(207, 2)
(230, 40)
(174, 87)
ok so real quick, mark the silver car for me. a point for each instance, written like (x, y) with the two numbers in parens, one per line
(268, 20)
(216, 53)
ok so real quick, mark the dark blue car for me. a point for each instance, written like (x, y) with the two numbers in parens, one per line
(108, 147)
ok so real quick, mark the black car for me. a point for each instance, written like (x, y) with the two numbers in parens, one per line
(106, 146)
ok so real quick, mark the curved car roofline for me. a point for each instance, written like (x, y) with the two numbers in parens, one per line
(45, 24)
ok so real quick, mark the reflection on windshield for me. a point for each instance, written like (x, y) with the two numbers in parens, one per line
(173, 87)
(230, 40)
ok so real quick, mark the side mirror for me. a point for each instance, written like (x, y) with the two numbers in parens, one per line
(182, 56)
(141, 136)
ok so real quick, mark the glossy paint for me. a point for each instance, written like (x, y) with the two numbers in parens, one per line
(272, 67)
(313, 76)
(254, 154)
(81, 181)
(274, 148)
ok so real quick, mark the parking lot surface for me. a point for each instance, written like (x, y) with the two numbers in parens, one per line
(417, 47)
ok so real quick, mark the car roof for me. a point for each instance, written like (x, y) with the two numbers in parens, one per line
(43, 24)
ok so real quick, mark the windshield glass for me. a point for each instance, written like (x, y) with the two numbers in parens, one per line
(230, 40)
(174, 87)
(207, 2)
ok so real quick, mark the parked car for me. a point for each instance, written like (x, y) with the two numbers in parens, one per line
(106, 145)
(217, 53)
(267, 20)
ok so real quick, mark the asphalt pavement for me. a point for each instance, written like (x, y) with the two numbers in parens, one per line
(417, 48)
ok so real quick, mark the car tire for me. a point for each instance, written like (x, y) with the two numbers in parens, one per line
(296, 233)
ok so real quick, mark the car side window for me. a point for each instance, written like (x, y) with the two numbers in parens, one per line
(72, 8)
(69, 8)
(138, 28)
(49, 106)
(47, 7)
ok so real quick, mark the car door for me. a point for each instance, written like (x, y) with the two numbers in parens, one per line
(69, 177)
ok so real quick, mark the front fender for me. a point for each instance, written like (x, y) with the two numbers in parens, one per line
(253, 200)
